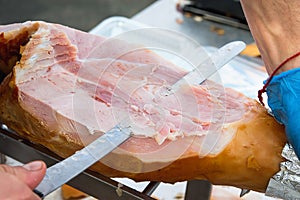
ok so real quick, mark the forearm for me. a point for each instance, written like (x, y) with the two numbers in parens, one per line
(275, 26)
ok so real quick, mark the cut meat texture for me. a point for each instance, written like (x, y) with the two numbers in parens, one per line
(64, 88)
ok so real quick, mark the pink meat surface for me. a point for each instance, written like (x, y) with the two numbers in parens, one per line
(82, 85)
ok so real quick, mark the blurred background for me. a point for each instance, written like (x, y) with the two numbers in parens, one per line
(80, 14)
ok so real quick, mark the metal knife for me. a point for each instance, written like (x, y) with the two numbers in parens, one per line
(62, 172)
(209, 66)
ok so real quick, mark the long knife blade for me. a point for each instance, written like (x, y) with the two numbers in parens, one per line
(65, 170)
(62, 172)
(209, 66)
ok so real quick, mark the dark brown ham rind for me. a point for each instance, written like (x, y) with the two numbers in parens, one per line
(247, 160)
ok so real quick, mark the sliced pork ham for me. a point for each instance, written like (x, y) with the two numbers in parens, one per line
(64, 88)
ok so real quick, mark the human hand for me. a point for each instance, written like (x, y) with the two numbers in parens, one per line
(275, 26)
(18, 182)
(284, 100)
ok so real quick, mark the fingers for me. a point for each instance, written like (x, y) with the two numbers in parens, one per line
(18, 182)
(292, 128)
(37, 171)
(30, 174)
(12, 188)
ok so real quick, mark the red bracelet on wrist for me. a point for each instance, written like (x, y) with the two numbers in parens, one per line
(261, 91)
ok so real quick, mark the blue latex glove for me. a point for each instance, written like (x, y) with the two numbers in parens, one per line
(284, 100)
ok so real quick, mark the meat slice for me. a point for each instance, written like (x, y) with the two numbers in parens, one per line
(64, 88)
